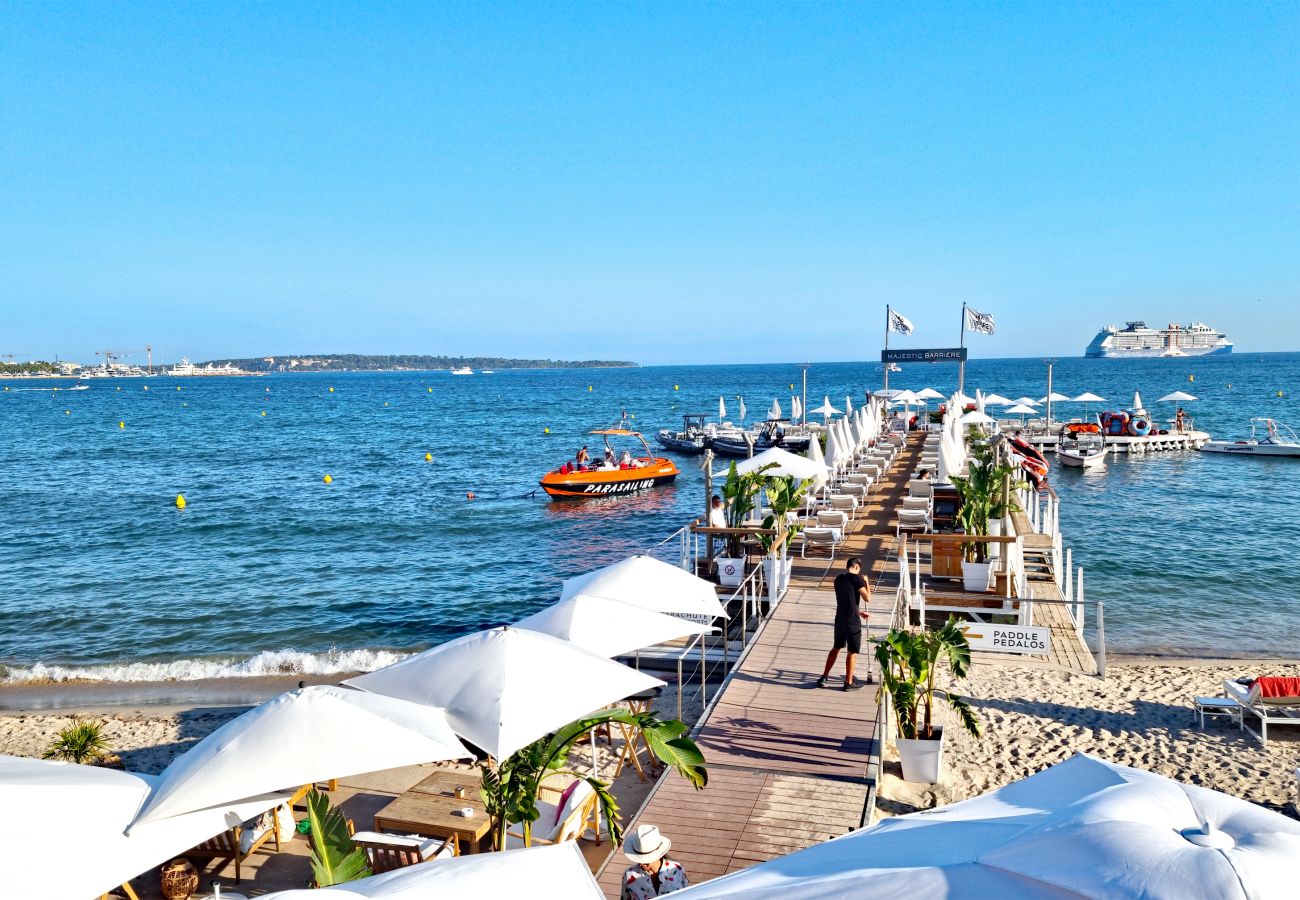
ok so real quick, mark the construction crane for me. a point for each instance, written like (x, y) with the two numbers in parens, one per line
(112, 356)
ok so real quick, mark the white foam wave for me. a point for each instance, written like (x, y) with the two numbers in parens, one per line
(268, 662)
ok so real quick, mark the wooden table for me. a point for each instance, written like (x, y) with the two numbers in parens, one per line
(427, 809)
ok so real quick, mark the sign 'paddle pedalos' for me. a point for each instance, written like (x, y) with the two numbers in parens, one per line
(1008, 638)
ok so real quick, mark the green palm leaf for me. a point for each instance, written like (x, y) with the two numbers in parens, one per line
(334, 858)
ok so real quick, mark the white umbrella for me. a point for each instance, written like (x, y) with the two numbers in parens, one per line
(556, 872)
(1137, 401)
(300, 737)
(506, 687)
(1023, 409)
(815, 455)
(906, 397)
(649, 583)
(43, 800)
(848, 405)
(825, 409)
(929, 394)
(795, 408)
(722, 409)
(1083, 828)
(609, 627)
(774, 411)
(998, 400)
(1089, 397)
(977, 418)
(743, 411)
(1176, 397)
(1027, 401)
(1055, 397)
(784, 463)
(832, 450)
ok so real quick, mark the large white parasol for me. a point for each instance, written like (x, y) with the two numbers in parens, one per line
(609, 627)
(1083, 828)
(650, 583)
(1177, 397)
(300, 737)
(504, 688)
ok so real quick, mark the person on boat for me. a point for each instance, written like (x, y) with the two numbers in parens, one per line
(625, 461)
(583, 457)
(652, 873)
(1178, 419)
(717, 513)
(850, 589)
(610, 461)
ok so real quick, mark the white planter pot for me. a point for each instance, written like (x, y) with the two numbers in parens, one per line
(995, 530)
(922, 760)
(785, 573)
(731, 572)
(976, 576)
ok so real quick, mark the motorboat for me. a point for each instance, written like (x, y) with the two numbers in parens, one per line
(892, 367)
(695, 436)
(463, 370)
(616, 475)
(771, 433)
(1081, 445)
(1277, 440)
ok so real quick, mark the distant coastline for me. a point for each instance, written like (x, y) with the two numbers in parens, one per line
(333, 362)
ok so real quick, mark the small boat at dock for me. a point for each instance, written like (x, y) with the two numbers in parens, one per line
(1278, 440)
(613, 476)
(694, 437)
(1081, 445)
(771, 433)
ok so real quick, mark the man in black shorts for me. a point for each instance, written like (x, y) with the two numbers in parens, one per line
(850, 589)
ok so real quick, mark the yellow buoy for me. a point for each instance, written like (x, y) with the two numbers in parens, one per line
(180, 501)
(327, 479)
(121, 424)
(1191, 377)
(146, 387)
(588, 387)
(428, 457)
(56, 390)
(385, 403)
(674, 387)
(1281, 394)
(185, 404)
(430, 390)
(546, 431)
(792, 387)
(178, 387)
(263, 412)
(67, 412)
(331, 390)
(119, 389)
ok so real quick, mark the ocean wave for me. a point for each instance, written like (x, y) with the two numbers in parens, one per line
(268, 662)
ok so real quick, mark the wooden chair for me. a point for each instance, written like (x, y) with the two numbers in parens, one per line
(226, 845)
(391, 851)
(574, 819)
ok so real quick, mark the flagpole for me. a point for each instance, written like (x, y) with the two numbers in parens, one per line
(883, 364)
(961, 364)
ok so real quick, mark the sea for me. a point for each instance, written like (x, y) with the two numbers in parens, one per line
(269, 569)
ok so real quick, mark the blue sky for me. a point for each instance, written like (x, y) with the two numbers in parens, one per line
(659, 182)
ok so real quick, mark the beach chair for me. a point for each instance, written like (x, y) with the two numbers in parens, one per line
(1273, 701)
(242, 841)
(845, 504)
(820, 537)
(386, 852)
(921, 503)
(567, 817)
(912, 520)
(920, 487)
(831, 518)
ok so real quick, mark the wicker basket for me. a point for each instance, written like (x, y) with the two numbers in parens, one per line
(179, 880)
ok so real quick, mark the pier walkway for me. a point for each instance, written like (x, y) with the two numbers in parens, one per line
(790, 764)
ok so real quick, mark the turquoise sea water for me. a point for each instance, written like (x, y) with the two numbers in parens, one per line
(270, 569)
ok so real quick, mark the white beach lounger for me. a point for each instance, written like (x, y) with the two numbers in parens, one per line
(912, 520)
(1269, 711)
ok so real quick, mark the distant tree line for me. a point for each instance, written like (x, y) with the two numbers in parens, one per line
(30, 368)
(357, 362)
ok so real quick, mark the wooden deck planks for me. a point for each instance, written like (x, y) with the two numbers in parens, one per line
(788, 762)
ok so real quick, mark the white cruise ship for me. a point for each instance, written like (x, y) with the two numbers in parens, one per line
(1136, 339)
(187, 369)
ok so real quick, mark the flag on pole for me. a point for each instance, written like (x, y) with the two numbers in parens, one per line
(978, 321)
(899, 322)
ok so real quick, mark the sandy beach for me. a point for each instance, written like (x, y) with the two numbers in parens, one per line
(1140, 715)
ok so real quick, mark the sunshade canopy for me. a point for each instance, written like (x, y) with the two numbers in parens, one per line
(1055, 397)
(1176, 397)
(506, 687)
(650, 583)
(556, 872)
(1027, 401)
(609, 627)
(977, 418)
(783, 462)
(1083, 828)
(929, 394)
(1021, 409)
(48, 804)
(907, 397)
(301, 737)
(825, 409)
(1089, 397)
(997, 400)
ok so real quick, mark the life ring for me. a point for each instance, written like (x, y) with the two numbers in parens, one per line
(1139, 427)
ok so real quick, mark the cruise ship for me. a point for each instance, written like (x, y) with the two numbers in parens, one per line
(1136, 339)
(187, 369)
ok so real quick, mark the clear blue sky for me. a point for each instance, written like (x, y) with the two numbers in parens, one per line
(659, 182)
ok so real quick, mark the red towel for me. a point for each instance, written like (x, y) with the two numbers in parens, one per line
(1271, 688)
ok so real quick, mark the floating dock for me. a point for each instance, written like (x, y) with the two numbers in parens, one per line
(1150, 443)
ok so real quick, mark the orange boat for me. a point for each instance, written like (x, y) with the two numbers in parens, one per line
(627, 475)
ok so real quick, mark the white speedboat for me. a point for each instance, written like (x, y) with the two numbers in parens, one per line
(1278, 440)
(463, 370)
(1081, 445)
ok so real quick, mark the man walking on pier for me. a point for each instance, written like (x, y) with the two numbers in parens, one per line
(850, 589)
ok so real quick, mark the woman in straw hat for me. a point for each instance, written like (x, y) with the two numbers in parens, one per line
(652, 874)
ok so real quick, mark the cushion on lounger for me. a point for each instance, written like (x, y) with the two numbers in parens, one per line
(1278, 688)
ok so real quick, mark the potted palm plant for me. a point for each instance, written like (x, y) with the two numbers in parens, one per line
(909, 668)
(739, 493)
(981, 505)
(785, 494)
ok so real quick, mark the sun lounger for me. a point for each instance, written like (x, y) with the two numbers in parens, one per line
(920, 487)
(831, 518)
(242, 841)
(1283, 710)
(912, 520)
(819, 537)
(566, 819)
(845, 504)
